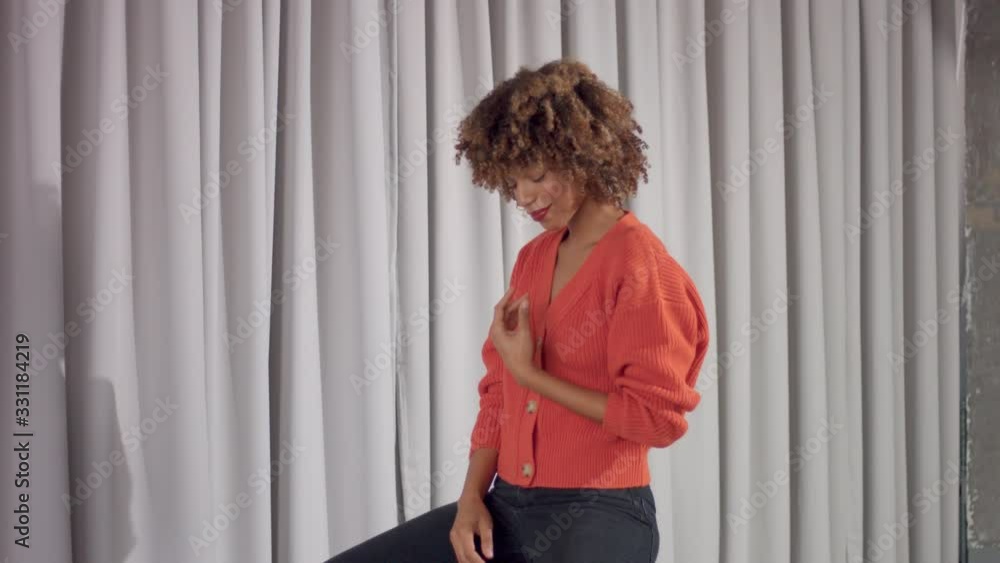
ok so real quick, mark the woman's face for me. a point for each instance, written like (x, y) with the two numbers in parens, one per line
(546, 196)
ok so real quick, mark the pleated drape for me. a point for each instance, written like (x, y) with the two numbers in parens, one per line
(256, 284)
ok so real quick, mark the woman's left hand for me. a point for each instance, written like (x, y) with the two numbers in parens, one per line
(515, 344)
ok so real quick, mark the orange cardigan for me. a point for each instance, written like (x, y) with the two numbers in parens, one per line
(629, 323)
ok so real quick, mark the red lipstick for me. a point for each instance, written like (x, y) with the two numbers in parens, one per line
(540, 214)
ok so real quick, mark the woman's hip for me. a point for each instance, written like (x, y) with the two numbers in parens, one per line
(579, 524)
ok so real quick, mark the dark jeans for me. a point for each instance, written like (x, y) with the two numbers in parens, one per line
(536, 525)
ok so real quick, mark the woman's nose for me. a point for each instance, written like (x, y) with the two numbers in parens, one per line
(523, 198)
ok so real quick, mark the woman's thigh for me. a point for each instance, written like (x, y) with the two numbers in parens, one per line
(423, 539)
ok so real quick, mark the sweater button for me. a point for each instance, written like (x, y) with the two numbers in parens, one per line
(527, 469)
(532, 406)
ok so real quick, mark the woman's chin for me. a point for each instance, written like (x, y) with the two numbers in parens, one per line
(550, 223)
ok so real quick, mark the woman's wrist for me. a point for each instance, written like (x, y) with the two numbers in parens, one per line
(482, 468)
(525, 374)
(470, 497)
(473, 494)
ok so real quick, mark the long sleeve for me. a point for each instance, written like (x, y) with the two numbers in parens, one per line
(657, 340)
(486, 432)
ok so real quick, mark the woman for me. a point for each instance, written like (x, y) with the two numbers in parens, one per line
(593, 351)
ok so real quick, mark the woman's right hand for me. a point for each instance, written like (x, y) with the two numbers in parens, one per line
(510, 312)
(472, 519)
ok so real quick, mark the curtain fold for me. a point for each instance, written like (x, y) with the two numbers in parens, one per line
(256, 284)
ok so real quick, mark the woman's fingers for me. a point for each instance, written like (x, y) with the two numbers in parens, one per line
(458, 545)
(464, 544)
(499, 310)
(469, 547)
(486, 537)
(510, 314)
(505, 313)
(502, 304)
(522, 314)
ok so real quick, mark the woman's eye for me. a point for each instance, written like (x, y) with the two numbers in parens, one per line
(540, 178)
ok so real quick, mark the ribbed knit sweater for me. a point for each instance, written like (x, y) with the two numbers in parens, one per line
(630, 324)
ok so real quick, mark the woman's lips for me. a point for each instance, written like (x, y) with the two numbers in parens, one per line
(540, 214)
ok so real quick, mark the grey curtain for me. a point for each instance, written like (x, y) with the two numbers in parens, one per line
(254, 283)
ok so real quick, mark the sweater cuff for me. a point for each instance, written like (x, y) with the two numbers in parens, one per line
(614, 414)
(486, 432)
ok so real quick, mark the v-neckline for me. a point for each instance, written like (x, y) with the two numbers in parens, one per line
(577, 281)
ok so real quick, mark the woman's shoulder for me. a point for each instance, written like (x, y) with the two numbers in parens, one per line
(636, 246)
(643, 262)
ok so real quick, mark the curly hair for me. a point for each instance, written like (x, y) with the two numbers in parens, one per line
(563, 117)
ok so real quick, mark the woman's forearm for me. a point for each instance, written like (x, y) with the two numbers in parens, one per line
(482, 468)
(585, 402)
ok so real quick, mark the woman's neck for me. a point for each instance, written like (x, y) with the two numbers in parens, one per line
(590, 222)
